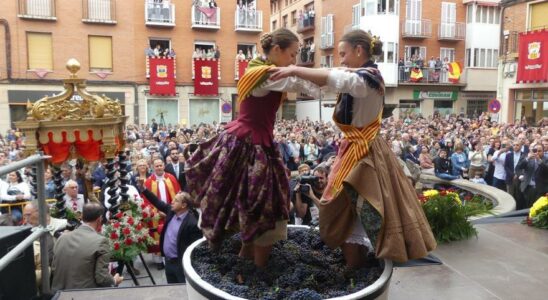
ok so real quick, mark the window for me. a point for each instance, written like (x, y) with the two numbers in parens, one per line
(100, 53)
(164, 44)
(327, 37)
(448, 19)
(413, 9)
(469, 13)
(487, 14)
(284, 23)
(274, 25)
(474, 107)
(412, 53)
(447, 52)
(537, 15)
(390, 53)
(355, 15)
(293, 18)
(468, 57)
(326, 61)
(410, 107)
(39, 51)
(444, 107)
(482, 58)
(476, 58)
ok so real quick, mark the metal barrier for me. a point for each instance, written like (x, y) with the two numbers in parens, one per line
(40, 232)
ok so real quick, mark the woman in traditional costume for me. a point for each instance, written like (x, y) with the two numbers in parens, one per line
(239, 176)
(368, 194)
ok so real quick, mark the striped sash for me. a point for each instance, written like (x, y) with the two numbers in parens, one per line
(358, 148)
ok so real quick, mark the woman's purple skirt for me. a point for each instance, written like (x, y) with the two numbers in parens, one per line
(241, 186)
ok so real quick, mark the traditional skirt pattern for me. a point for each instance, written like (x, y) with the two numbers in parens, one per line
(240, 185)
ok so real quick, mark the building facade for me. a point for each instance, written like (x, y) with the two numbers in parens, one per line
(524, 43)
(112, 40)
(417, 35)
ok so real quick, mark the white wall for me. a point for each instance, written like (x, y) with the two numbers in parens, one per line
(311, 109)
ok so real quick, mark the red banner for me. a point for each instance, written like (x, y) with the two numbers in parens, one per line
(162, 76)
(533, 56)
(241, 65)
(206, 77)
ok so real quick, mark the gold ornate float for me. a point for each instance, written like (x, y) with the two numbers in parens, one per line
(90, 128)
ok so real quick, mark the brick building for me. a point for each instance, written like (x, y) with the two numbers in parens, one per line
(109, 39)
(523, 99)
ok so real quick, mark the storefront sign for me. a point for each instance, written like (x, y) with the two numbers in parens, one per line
(533, 57)
(206, 78)
(162, 76)
(436, 95)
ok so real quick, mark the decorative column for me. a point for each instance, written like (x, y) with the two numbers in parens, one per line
(112, 187)
(124, 180)
(59, 192)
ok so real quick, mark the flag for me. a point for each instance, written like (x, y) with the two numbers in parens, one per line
(454, 72)
(416, 75)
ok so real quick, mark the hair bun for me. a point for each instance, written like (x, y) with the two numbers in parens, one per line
(266, 41)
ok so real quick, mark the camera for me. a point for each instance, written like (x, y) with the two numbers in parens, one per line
(307, 179)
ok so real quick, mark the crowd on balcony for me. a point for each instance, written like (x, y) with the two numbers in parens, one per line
(205, 12)
(249, 55)
(433, 70)
(307, 17)
(159, 52)
(247, 14)
(159, 11)
(306, 52)
(209, 53)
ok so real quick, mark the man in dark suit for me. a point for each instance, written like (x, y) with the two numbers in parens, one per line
(180, 230)
(177, 168)
(511, 162)
(81, 257)
(532, 178)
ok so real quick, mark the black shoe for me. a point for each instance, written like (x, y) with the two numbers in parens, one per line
(160, 266)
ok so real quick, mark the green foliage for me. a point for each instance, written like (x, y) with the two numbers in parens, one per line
(448, 219)
(540, 220)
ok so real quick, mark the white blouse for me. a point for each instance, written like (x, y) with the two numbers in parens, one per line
(367, 101)
(291, 84)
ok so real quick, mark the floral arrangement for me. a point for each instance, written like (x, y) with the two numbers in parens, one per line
(448, 215)
(127, 231)
(538, 214)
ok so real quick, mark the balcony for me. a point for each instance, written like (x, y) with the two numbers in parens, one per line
(451, 31)
(99, 11)
(159, 14)
(305, 59)
(424, 76)
(37, 9)
(205, 18)
(306, 25)
(248, 20)
(419, 29)
(510, 46)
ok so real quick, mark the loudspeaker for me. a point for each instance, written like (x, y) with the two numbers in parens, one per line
(17, 280)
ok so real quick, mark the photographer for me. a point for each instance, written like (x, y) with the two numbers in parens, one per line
(307, 194)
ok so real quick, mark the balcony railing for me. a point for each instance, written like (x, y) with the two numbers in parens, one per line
(423, 75)
(511, 44)
(205, 17)
(99, 11)
(417, 28)
(306, 25)
(159, 14)
(305, 58)
(36, 9)
(248, 20)
(451, 31)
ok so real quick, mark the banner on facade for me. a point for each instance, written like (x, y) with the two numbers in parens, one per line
(162, 76)
(206, 77)
(533, 57)
(241, 66)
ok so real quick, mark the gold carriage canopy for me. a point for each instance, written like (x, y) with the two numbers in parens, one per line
(91, 128)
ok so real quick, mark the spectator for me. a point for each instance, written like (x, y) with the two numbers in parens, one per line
(50, 185)
(177, 168)
(408, 154)
(499, 174)
(73, 200)
(16, 190)
(478, 178)
(81, 257)
(240, 55)
(181, 230)
(442, 166)
(459, 161)
(311, 150)
(512, 160)
(477, 159)
(306, 197)
(532, 177)
(425, 160)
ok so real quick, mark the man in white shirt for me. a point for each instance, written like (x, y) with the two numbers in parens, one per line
(73, 200)
(499, 176)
